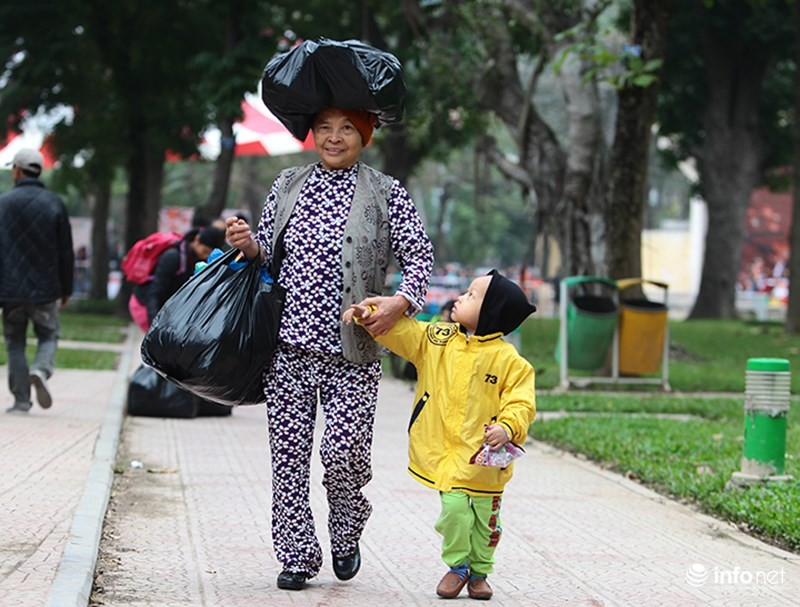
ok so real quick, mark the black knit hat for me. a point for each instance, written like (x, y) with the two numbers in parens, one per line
(504, 307)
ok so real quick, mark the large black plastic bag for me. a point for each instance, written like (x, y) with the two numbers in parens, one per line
(217, 333)
(314, 75)
(150, 395)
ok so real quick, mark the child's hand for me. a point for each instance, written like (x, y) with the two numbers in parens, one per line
(356, 311)
(385, 310)
(496, 436)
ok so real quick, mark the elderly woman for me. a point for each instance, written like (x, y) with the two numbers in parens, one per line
(335, 224)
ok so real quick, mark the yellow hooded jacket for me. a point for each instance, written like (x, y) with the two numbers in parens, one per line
(463, 385)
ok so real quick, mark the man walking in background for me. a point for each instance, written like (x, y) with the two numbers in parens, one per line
(36, 274)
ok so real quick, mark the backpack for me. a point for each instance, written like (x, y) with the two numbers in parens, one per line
(139, 263)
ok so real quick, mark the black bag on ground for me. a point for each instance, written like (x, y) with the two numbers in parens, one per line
(218, 332)
(150, 395)
(206, 408)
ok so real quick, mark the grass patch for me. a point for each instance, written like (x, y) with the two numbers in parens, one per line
(711, 355)
(75, 326)
(91, 327)
(106, 307)
(84, 359)
(689, 460)
(705, 356)
(653, 404)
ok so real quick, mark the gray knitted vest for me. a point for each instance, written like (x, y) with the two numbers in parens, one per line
(366, 246)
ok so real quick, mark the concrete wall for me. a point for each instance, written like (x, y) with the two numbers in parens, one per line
(674, 255)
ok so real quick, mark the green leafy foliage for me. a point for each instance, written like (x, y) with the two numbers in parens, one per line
(619, 69)
(443, 108)
(745, 31)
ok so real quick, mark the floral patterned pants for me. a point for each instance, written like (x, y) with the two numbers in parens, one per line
(296, 381)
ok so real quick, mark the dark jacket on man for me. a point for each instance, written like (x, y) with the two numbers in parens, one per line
(36, 255)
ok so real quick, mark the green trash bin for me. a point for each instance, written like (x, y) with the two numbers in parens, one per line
(591, 321)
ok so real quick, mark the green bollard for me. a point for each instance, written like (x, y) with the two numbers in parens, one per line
(766, 403)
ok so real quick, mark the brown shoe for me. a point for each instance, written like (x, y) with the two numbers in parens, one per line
(451, 585)
(479, 588)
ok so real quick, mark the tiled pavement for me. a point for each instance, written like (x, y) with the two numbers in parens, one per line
(191, 526)
(55, 478)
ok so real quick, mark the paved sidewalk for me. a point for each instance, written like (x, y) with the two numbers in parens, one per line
(55, 481)
(191, 526)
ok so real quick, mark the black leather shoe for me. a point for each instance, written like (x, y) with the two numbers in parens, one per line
(346, 567)
(289, 580)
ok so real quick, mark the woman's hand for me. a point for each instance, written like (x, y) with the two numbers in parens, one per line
(237, 232)
(357, 312)
(387, 311)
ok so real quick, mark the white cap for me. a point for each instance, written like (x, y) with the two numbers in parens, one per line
(29, 160)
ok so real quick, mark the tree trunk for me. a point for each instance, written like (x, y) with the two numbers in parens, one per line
(101, 199)
(566, 186)
(565, 181)
(630, 151)
(145, 177)
(501, 91)
(224, 165)
(440, 238)
(222, 171)
(585, 140)
(398, 160)
(793, 310)
(730, 161)
(254, 189)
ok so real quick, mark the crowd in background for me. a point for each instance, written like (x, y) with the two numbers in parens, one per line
(451, 279)
(758, 277)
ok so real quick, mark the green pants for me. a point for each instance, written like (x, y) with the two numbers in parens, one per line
(470, 528)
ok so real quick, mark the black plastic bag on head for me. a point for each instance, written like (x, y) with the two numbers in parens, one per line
(318, 74)
(215, 336)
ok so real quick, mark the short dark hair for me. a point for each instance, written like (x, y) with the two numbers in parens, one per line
(29, 173)
(212, 237)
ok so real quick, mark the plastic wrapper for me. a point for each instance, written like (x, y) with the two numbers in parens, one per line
(216, 335)
(486, 456)
(322, 73)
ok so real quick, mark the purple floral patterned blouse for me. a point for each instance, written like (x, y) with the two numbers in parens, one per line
(311, 271)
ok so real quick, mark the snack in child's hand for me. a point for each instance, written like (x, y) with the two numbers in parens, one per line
(501, 458)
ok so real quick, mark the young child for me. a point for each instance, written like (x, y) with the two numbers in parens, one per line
(473, 388)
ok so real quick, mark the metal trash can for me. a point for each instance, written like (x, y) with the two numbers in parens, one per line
(766, 404)
(642, 329)
(590, 321)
